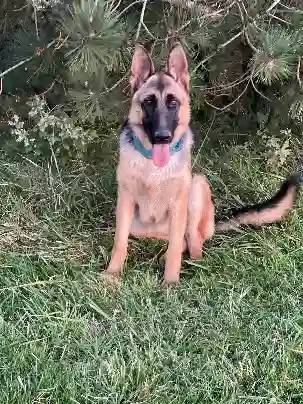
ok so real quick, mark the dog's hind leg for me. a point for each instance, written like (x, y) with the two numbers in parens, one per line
(200, 219)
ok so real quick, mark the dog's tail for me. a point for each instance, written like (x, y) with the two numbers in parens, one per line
(272, 210)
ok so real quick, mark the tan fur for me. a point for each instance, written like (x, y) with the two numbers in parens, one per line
(259, 218)
(167, 202)
(153, 201)
(163, 212)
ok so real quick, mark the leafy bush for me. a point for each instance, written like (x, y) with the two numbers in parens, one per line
(50, 132)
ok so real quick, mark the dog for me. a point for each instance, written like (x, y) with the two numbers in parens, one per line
(158, 196)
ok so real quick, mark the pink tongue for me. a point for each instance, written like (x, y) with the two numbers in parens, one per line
(160, 154)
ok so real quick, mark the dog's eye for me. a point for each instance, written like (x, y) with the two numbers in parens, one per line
(149, 100)
(171, 102)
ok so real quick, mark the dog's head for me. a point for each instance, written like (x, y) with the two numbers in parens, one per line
(160, 110)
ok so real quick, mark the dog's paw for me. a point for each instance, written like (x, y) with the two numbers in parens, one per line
(171, 278)
(111, 277)
(195, 254)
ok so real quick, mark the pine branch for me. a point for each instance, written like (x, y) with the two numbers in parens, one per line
(256, 90)
(279, 19)
(231, 103)
(220, 47)
(273, 5)
(298, 72)
(141, 19)
(108, 90)
(245, 24)
(224, 87)
(128, 7)
(193, 5)
(96, 34)
(10, 69)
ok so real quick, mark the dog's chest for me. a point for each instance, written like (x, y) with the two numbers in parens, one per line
(154, 196)
(153, 189)
(153, 201)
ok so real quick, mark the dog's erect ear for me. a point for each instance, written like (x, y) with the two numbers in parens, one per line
(142, 68)
(177, 65)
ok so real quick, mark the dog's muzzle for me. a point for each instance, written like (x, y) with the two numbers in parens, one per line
(163, 137)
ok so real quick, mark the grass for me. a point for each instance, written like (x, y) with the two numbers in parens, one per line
(231, 332)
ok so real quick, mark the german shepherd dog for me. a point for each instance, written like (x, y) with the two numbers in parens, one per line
(158, 196)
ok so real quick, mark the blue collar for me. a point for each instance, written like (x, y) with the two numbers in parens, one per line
(147, 153)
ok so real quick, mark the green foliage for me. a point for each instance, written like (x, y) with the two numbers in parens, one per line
(245, 57)
(269, 69)
(95, 38)
(278, 55)
(95, 35)
(50, 133)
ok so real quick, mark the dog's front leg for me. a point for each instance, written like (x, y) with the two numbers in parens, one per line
(177, 227)
(124, 216)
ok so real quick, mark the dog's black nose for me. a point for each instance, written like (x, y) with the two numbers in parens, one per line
(163, 136)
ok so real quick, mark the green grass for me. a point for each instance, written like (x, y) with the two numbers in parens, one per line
(231, 332)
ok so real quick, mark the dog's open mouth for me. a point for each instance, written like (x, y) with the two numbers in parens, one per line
(161, 154)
